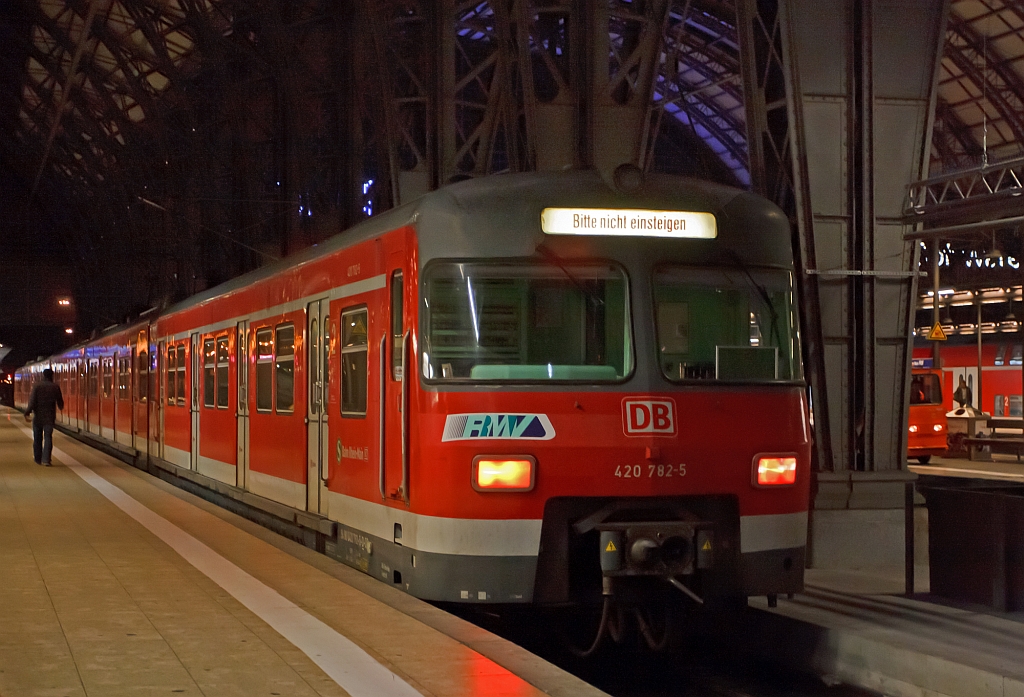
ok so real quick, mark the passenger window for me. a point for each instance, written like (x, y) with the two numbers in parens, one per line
(172, 374)
(142, 385)
(108, 378)
(354, 347)
(181, 375)
(264, 370)
(284, 368)
(209, 373)
(223, 361)
(396, 325)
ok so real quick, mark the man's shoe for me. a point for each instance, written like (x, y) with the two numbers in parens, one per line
(46, 464)
(37, 462)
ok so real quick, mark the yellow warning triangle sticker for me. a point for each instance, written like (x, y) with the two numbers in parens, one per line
(707, 546)
(610, 547)
(936, 334)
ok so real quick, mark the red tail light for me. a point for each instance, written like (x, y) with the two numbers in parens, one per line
(775, 470)
(504, 472)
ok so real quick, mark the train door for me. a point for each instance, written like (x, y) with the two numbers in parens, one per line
(970, 376)
(80, 398)
(161, 396)
(242, 412)
(94, 397)
(394, 393)
(117, 377)
(133, 380)
(317, 458)
(197, 372)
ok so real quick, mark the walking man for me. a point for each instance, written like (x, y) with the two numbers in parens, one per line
(44, 401)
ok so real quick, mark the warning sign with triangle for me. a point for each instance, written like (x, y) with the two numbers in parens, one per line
(707, 546)
(936, 334)
(611, 547)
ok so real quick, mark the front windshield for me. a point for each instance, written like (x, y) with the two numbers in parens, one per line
(925, 388)
(729, 324)
(535, 322)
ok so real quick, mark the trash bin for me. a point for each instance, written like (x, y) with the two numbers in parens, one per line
(964, 422)
(976, 544)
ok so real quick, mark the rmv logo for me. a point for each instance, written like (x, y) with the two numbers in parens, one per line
(499, 426)
(649, 417)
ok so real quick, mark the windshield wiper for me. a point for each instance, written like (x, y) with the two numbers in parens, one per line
(763, 293)
(557, 261)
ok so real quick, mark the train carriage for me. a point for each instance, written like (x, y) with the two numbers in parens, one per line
(521, 389)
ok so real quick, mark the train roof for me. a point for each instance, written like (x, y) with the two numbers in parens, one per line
(450, 222)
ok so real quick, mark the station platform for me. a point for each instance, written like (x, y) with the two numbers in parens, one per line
(1000, 468)
(115, 583)
(858, 627)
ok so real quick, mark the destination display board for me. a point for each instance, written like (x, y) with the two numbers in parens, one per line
(628, 223)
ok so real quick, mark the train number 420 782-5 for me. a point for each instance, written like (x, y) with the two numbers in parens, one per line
(650, 471)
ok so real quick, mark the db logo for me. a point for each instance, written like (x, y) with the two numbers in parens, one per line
(649, 416)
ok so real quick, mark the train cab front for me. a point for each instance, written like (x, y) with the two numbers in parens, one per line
(652, 417)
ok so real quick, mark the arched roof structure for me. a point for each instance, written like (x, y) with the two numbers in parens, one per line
(128, 139)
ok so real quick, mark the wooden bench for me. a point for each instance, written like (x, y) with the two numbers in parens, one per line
(1010, 445)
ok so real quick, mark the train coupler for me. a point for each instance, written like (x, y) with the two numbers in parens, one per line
(672, 548)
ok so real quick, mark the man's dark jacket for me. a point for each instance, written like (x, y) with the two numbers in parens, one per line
(43, 401)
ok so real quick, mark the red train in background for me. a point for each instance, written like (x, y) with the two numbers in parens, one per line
(1001, 373)
(521, 389)
(927, 420)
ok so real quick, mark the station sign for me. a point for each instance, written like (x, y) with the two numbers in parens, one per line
(628, 222)
(921, 363)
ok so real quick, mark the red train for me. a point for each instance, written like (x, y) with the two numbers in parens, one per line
(927, 420)
(999, 393)
(521, 389)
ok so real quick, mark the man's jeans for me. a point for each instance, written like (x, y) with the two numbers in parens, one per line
(42, 441)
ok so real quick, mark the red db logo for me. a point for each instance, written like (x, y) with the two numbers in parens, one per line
(649, 416)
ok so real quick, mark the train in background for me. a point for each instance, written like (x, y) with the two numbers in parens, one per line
(524, 389)
(1001, 374)
(996, 390)
(928, 428)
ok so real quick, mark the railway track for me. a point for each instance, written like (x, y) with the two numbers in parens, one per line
(694, 667)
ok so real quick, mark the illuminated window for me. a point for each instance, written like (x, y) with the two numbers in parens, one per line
(396, 325)
(209, 373)
(142, 379)
(284, 368)
(223, 362)
(181, 375)
(354, 348)
(264, 369)
(172, 375)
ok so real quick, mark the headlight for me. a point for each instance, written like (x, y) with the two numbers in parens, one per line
(775, 470)
(504, 472)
